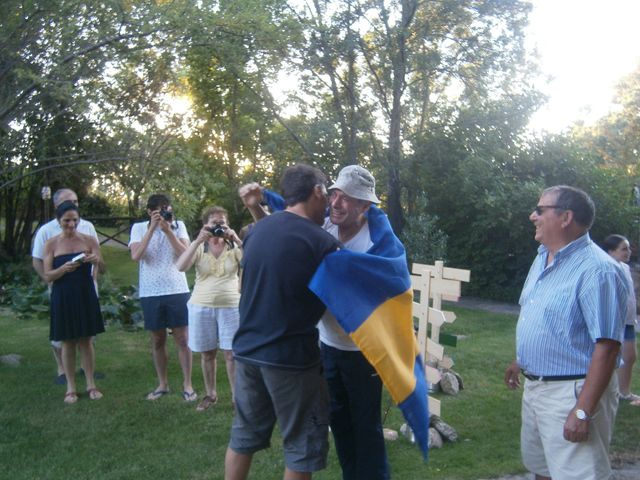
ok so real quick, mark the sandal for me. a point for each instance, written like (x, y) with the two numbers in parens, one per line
(189, 396)
(70, 397)
(156, 394)
(206, 402)
(94, 394)
(630, 397)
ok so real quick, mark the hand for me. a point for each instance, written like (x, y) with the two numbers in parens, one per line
(90, 258)
(230, 234)
(204, 235)
(68, 267)
(250, 194)
(155, 219)
(575, 430)
(512, 376)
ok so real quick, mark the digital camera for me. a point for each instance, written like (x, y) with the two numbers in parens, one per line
(166, 215)
(217, 230)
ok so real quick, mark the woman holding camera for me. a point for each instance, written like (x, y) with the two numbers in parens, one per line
(75, 310)
(213, 306)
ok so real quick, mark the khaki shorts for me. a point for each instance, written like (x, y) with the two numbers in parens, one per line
(545, 407)
(297, 399)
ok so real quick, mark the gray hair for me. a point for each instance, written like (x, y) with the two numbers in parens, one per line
(576, 200)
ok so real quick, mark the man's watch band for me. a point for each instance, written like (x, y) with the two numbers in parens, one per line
(582, 415)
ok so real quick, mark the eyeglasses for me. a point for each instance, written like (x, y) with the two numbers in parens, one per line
(541, 208)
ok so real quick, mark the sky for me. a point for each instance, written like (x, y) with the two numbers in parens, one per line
(586, 47)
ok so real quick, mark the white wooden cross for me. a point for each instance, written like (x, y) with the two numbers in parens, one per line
(437, 283)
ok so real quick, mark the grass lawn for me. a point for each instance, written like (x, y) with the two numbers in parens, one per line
(124, 436)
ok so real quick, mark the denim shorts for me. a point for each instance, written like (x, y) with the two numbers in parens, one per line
(165, 311)
(297, 399)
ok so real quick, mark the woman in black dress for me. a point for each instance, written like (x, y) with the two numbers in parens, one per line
(75, 311)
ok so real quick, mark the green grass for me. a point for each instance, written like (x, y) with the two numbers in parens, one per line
(124, 436)
(122, 270)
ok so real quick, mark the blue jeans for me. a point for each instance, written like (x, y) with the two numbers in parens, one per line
(355, 391)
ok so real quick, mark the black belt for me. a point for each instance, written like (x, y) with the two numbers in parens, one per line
(552, 378)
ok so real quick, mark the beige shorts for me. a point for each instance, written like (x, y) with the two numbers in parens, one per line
(545, 406)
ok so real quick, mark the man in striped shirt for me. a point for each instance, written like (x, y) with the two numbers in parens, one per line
(567, 343)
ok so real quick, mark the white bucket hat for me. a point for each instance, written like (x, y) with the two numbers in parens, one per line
(357, 182)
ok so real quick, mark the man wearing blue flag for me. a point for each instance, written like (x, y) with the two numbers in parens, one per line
(354, 385)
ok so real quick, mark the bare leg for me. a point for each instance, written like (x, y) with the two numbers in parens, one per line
(57, 355)
(291, 475)
(231, 369)
(69, 365)
(209, 372)
(88, 357)
(180, 337)
(160, 357)
(625, 371)
(236, 465)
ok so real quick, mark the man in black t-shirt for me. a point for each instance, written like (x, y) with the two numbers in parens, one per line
(278, 370)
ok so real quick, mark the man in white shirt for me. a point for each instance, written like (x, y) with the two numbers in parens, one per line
(44, 233)
(156, 245)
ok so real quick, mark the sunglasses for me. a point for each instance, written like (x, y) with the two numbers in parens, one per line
(541, 208)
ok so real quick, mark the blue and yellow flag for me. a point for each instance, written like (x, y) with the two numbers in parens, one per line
(370, 295)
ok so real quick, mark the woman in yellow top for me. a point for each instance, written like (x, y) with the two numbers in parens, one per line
(213, 306)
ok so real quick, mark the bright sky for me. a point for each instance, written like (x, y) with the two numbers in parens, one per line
(586, 46)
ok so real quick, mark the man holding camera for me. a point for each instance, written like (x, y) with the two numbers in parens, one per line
(156, 245)
(44, 233)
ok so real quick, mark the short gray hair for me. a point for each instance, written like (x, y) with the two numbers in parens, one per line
(576, 200)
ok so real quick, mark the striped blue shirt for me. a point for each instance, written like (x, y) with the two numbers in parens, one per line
(566, 306)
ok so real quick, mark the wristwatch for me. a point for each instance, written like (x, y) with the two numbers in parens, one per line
(581, 414)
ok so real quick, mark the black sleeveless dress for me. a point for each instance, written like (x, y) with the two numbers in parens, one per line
(75, 310)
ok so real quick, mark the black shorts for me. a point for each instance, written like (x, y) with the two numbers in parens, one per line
(165, 311)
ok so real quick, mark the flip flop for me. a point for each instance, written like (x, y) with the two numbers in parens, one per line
(94, 394)
(70, 397)
(60, 379)
(189, 396)
(631, 397)
(156, 394)
(635, 403)
(206, 402)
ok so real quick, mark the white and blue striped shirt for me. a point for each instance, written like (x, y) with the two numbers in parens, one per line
(568, 305)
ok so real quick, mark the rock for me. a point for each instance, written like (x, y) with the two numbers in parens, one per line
(435, 439)
(459, 379)
(446, 430)
(13, 359)
(449, 383)
(389, 434)
(407, 432)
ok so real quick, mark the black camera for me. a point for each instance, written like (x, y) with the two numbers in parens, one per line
(217, 230)
(166, 215)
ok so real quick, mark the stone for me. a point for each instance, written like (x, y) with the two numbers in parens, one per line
(447, 431)
(13, 359)
(389, 434)
(406, 431)
(460, 384)
(449, 383)
(435, 439)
